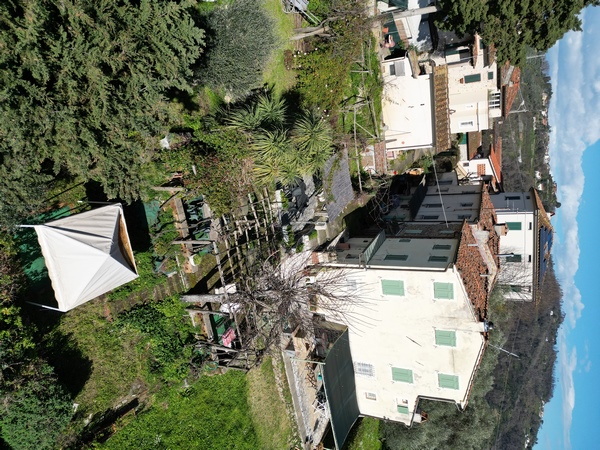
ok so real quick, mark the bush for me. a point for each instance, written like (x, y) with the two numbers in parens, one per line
(241, 40)
(166, 334)
(35, 415)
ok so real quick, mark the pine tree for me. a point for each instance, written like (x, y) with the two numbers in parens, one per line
(84, 86)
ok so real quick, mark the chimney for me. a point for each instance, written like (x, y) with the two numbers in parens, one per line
(501, 229)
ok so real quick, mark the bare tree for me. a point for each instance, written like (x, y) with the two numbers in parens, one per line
(516, 279)
(277, 297)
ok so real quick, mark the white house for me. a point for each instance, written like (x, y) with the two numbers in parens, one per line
(406, 107)
(525, 243)
(474, 95)
(418, 329)
(475, 166)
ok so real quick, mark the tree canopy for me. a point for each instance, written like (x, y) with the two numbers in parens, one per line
(513, 26)
(84, 88)
(240, 42)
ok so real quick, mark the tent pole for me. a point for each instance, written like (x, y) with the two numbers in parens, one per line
(44, 306)
(99, 203)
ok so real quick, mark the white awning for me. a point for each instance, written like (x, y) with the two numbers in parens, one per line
(87, 255)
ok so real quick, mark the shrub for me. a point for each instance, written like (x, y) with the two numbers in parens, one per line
(166, 334)
(241, 40)
(35, 415)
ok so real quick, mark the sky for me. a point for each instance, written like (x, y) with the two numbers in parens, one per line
(572, 417)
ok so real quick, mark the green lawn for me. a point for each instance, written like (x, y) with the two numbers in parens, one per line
(365, 435)
(275, 73)
(211, 414)
(271, 419)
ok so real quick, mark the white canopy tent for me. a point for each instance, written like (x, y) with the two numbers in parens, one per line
(87, 255)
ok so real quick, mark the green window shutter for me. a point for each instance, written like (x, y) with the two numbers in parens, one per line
(442, 247)
(443, 290)
(402, 409)
(514, 258)
(513, 225)
(447, 381)
(403, 375)
(472, 78)
(392, 287)
(438, 258)
(490, 75)
(396, 257)
(445, 337)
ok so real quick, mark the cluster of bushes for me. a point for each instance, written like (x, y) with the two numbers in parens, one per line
(167, 336)
(35, 407)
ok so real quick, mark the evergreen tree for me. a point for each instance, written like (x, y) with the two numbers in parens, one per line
(84, 84)
(241, 41)
(513, 26)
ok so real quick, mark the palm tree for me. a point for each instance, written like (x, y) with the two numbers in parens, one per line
(245, 119)
(272, 145)
(272, 111)
(268, 112)
(313, 136)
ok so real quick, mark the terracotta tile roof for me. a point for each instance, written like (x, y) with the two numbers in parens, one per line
(470, 261)
(511, 80)
(441, 108)
(475, 49)
(496, 162)
(491, 53)
(471, 266)
(543, 217)
(473, 143)
(487, 220)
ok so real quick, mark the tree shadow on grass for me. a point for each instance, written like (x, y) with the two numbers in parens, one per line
(71, 366)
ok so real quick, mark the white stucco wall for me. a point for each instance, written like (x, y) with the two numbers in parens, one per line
(522, 242)
(469, 103)
(399, 331)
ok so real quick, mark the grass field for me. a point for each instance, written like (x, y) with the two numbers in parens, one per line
(275, 73)
(269, 414)
(365, 436)
(211, 414)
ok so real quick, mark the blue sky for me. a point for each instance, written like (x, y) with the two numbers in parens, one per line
(571, 419)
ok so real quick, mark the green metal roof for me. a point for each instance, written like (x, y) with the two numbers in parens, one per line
(340, 389)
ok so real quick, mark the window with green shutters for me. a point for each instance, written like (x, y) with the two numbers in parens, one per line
(438, 258)
(447, 381)
(402, 375)
(445, 337)
(513, 225)
(396, 257)
(442, 246)
(402, 409)
(472, 78)
(392, 287)
(443, 290)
